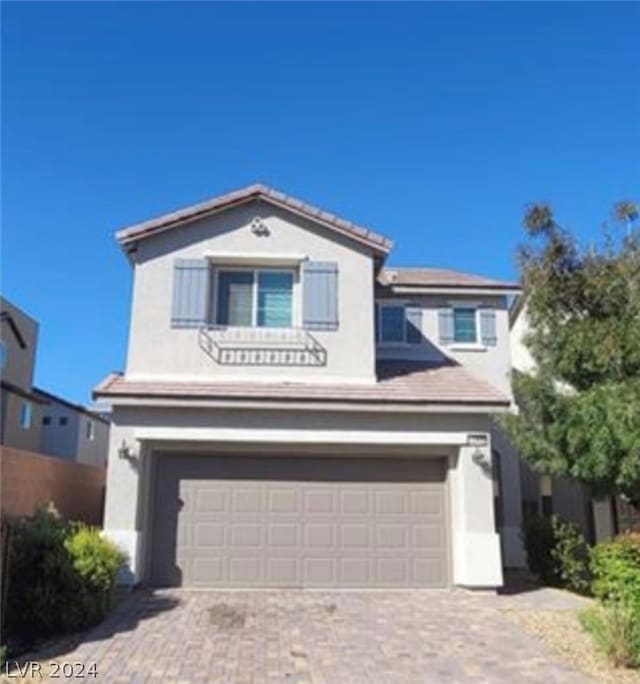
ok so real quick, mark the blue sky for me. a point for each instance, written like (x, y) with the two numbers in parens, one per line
(433, 123)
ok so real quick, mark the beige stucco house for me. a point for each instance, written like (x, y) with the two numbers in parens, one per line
(295, 413)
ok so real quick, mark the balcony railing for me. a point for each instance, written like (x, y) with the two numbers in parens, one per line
(241, 346)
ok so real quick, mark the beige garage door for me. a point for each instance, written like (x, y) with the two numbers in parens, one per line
(299, 522)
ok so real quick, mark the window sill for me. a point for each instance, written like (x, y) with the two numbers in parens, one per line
(468, 347)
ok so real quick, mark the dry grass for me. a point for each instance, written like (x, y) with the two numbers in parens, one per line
(562, 632)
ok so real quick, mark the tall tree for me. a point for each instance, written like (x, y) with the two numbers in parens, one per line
(579, 413)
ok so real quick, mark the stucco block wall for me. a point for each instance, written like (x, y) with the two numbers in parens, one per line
(30, 480)
(350, 349)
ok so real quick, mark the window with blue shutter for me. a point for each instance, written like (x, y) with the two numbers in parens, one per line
(488, 334)
(464, 325)
(190, 286)
(445, 326)
(413, 324)
(320, 295)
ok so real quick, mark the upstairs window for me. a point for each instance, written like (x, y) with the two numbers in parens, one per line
(3, 355)
(398, 324)
(26, 413)
(392, 328)
(258, 298)
(90, 430)
(464, 325)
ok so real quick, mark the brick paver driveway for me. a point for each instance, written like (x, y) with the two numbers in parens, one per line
(317, 637)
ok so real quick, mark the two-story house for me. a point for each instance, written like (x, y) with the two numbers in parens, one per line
(33, 419)
(293, 413)
(20, 407)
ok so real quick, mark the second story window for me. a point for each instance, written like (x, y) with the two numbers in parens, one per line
(398, 324)
(464, 325)
(90, 430)
(392, 327)
(26, 413)
(3, 355)
(46, 420)
(257, 298)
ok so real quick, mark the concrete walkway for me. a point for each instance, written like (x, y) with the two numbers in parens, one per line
(348, 637)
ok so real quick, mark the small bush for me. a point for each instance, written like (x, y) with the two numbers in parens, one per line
(60, 577)
(571, 556)
(616, 571)
(96, 560)
(615, 629)
(556, 552)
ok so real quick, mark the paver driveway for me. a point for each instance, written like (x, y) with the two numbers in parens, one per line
(318, 637)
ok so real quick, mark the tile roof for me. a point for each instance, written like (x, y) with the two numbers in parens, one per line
(251, 192)
(439, 277)
(398, 382)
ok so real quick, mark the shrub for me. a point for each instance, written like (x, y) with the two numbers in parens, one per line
(615, 629)
(60, 577)
(556, 552)
(571, 556)
(96, 560)
(616, 571)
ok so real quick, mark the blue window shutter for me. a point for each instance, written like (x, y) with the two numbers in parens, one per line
(413, 321)
(488, 333)
(445, 326)
(320, 295)
(190, 286)
(376, 321)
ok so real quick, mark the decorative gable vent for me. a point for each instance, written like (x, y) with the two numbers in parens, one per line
(259, 227)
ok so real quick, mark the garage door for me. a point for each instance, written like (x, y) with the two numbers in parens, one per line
(299, 522)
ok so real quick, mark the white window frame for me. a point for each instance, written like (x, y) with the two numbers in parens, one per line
(396, 304)
(295, 293)
(90, 430)
(26, 415)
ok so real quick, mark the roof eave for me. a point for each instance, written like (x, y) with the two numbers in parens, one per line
(132, 234)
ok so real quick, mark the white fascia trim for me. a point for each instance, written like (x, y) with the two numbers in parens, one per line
(164, 402)
(277, 436)
(256, 258)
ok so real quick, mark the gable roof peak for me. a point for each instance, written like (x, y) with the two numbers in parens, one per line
(139, 231)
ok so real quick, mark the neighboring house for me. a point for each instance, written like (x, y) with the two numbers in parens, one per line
(293, 413)
(33, 419)
(542, 494)
(20, 407)
(73, 431)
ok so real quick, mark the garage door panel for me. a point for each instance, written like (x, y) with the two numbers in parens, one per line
(252, 522)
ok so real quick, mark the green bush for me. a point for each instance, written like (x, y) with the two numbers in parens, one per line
(615, 629)
(616, 571)
(96, 560)
(570, 554)
(60, 577)
(556, 552)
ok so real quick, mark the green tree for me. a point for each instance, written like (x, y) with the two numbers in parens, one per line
(580, 411)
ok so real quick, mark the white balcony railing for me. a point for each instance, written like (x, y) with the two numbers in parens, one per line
(247, 346)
